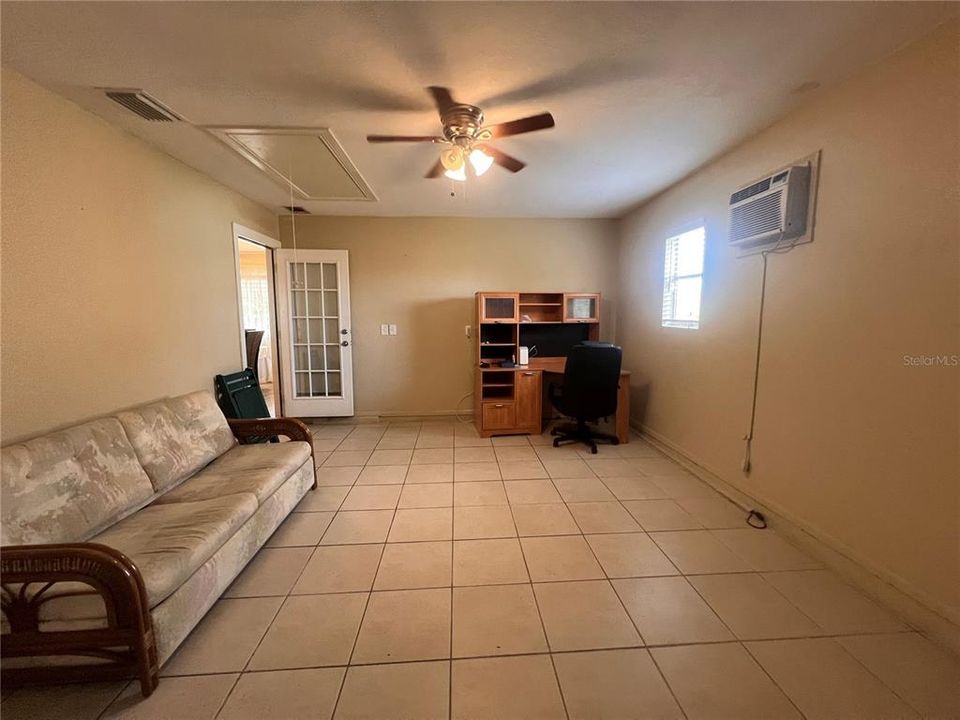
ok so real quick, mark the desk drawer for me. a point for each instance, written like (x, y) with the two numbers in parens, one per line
(499, 416)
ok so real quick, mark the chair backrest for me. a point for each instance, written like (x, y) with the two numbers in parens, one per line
(591, 379)
(253, 340)
(239, 395)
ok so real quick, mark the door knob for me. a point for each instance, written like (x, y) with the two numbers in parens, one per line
(344, 343)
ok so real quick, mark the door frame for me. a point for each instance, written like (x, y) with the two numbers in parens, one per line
(241, 232)
(284, 329)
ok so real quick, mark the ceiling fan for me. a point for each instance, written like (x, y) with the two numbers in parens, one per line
(465, 138)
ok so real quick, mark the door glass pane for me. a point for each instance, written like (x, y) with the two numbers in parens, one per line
(300, 358)
(331, 309)
(319, 388)
(316, 357)
(303, 385)
(298, 303)
(333, 331)
(313, 276)
(333, 384)
(313, 304)
(300, 331)
(333, 357)
(296, 275)
(316, 330)
(330, 276)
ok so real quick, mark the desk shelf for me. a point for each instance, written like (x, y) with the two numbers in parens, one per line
(509, 400)
(541, 307)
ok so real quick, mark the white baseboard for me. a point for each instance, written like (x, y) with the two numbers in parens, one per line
(413, 416)
(940, 624)
(376, 416)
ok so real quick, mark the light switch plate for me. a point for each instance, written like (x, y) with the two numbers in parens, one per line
(384, 329)
(393, 329)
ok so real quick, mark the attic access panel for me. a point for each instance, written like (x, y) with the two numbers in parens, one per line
(311, 159)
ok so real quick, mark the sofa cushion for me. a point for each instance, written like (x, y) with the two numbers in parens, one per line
(258, 469)
(70, 485)
(176, 437)
(168, 542)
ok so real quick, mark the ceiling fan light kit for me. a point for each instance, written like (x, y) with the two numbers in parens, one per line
(465, 136)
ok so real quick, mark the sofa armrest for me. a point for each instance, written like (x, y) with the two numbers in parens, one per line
(30, 571)
(289, 427)
(111, 573)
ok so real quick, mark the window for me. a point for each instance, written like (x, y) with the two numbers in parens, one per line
(683, 279)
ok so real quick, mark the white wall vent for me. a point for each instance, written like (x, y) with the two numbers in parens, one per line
(772, 210)
(139, 103)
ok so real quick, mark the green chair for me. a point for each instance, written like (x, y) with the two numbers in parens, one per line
(240, 397)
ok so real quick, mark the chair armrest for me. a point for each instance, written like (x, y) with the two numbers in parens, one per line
(289, 427)
(111, 573)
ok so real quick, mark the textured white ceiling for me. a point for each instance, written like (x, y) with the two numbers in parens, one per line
(643, 93)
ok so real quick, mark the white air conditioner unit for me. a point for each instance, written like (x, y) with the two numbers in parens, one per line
(772, 210)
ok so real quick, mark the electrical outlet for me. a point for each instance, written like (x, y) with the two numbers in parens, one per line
(384, 329)
(466, 331)
(393, 329)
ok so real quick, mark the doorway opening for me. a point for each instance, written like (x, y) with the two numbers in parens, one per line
(256, 297)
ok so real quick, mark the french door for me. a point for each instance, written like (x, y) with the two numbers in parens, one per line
(313, 304)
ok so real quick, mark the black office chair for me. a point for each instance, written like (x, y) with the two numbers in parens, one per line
(591, 379)
(240, 397)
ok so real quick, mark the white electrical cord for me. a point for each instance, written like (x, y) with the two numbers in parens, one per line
(460, 401)
(748, 438)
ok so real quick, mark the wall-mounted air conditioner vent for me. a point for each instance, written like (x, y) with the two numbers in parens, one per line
(139, 103)
(772, 210)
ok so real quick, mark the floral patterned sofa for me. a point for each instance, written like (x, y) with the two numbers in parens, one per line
(120, 534)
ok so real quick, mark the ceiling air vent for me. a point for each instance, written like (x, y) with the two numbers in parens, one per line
(296, 209)
(139, 103)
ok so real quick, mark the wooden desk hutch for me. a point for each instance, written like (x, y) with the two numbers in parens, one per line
(511, 400)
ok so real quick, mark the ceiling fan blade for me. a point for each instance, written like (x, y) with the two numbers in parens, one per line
(585, 76)
(542, 121)
(436, 171)
(503, 160)
(441, 98)
(403, 138)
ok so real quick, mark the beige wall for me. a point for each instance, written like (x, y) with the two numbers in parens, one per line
(118, 281)
(421, 273)
(850, 441)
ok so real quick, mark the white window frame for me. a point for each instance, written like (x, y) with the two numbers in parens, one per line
(668, 317)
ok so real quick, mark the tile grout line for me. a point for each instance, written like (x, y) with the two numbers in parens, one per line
(343, 678)
(363, 615)
(543, 625)
(453, 534)
(539, 653)
(551, 652)
(286, 597)
(586, 541)
(646, 647)
(105, 707)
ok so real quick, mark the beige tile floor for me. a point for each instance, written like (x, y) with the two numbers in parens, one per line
(435, 574)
